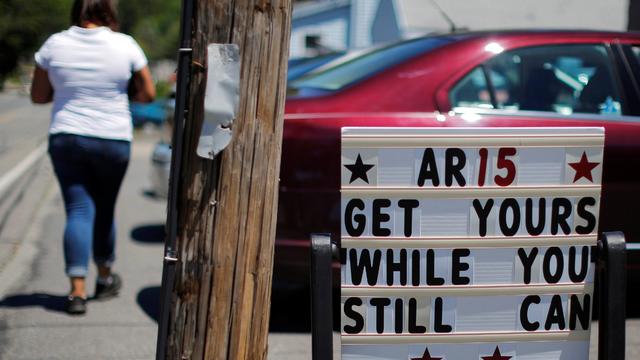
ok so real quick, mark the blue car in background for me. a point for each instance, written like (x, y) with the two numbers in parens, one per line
(153, 112)
(299, 67)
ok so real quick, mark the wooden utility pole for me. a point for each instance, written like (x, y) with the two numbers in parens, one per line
(226, 208)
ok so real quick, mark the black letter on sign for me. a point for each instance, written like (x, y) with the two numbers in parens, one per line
(408, 206)
(360, 219)
(415, 267)
(524, 313)
(454, 170)
(483, 214)
(578, 277)
(432, 280)
(428, 168)
(399, 316)
(527, 262)
(414, 328)
(358, 268)
(515, 224)
(353, 315)
(580, 311)
(555, 314)
(587, 215)
(531, 229)
(457, 266)
(546, 265)
(379, 218)
(400, 267)
(380, 303)
(437, 322)
(560, 212)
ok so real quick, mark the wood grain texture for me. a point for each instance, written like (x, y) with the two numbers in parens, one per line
(227, 207)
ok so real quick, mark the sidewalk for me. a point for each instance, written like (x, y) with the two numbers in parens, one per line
(33, 324)
(33, 287)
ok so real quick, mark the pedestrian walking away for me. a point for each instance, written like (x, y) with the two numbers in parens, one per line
(90, 71)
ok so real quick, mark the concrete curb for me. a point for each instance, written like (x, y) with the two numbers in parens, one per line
(8, 179)
(19, 267)
(16, 265)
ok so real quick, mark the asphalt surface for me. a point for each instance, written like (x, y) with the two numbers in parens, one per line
(33, 287)
(22, 127)
(33, 324)
(32, 319)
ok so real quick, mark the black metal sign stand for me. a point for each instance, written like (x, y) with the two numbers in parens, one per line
(321, 297)
(612, 282)
(611, 278)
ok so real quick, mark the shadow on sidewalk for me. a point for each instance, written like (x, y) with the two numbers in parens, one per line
(149, 301)
(149, 233)
(47, 301)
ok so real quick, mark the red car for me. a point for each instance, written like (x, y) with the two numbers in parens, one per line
(483, 79)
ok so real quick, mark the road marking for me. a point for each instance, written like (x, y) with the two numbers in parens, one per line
(11, 176)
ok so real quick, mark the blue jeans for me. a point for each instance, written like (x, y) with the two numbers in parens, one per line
(90, 171)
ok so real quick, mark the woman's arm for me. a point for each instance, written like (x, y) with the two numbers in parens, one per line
(144, 89)
(41, 89)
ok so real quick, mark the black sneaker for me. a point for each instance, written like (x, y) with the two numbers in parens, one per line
(109, 291)
(76, 305)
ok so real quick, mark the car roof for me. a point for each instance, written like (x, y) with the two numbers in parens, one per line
(516, 33)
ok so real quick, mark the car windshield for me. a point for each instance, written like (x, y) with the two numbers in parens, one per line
(371, 62)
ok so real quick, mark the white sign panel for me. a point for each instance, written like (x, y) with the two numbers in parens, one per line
(469, 243)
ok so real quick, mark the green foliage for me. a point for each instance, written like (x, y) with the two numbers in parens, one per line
(155, 24)
(163, 89)
(25, 25)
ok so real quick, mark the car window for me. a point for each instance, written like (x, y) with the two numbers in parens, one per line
(633, 53)
(472, 91)
(368, 64)
(565, 79)
(636, 51)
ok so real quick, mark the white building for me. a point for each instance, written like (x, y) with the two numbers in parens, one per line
(352, 24)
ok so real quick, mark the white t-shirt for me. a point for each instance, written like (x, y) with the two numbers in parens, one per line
(89, 70)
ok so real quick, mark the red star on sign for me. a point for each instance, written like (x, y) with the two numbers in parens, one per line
(496, 356)
(427, 356)
(583, 168)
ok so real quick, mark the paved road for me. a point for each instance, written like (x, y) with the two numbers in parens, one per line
(23, 131)
(33, 324)
(23, 126)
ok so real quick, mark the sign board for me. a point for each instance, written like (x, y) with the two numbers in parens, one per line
(469, 243)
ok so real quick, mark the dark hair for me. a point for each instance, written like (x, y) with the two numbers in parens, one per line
(99, 12)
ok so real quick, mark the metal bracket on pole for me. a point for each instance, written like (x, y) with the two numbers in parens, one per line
(321, 297)
(171, 256)
(612, 282)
